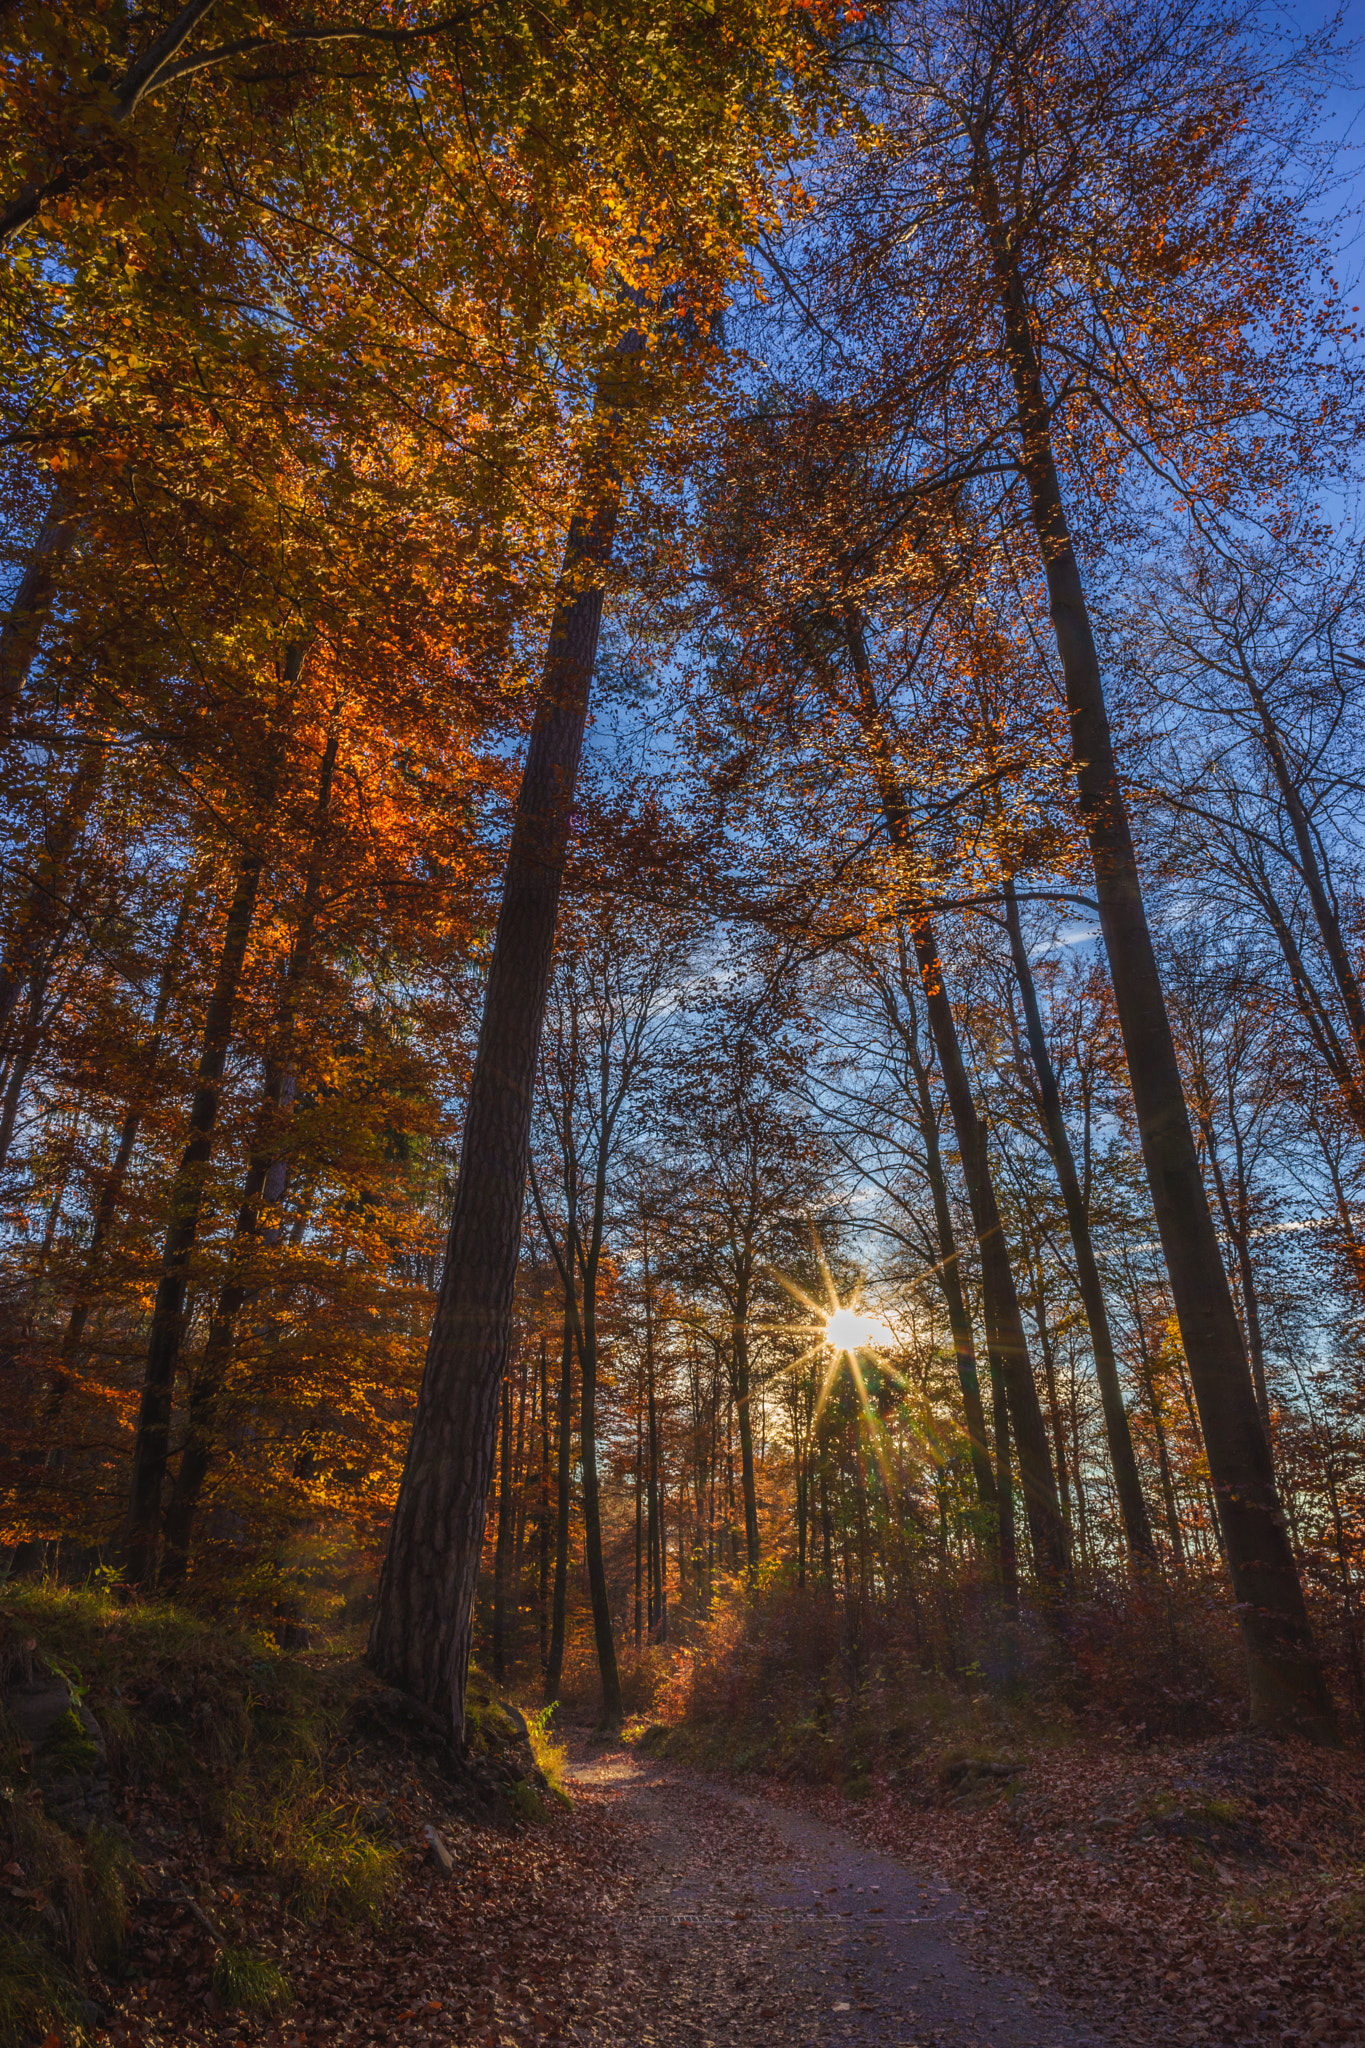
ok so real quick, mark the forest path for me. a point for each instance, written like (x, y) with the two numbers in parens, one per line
(751, 1924)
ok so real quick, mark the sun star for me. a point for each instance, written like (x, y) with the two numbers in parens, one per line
(847, 1330)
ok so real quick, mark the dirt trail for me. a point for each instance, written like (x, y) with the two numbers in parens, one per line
(749, 1924)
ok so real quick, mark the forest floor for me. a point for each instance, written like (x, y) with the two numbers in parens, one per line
(266, 1819)
(749, 1923)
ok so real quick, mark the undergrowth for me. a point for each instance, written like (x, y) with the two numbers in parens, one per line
(191, 1710)
(794, 1682)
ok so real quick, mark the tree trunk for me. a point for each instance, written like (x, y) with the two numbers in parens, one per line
(1005, 1341)
(424, 1613)
(151, 1443)
(543, 1533)
(555, 1667)
(640, 1533)
(46, 901)
(106, 1210)
(1133, 1508)
(22, 626)
(1239, 1237)
(21, 1060)
(747, 1483)
(949, 1270)
(1004, 1491)
(267, 1174)
(500, 1548)
(1287, 1684)
(612, 1711)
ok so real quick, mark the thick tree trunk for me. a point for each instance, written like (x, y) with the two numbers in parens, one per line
(151, 1443)
(424, 1614)
(1005, 1341)
(1287, 1685)
(1136, 1522)
(554, 1669)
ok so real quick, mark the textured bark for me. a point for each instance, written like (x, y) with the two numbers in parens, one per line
(1287, 1685)
(1005, 1342)
(22, 627)
(420, 1639)
(1132, 1506)
(152, 1441)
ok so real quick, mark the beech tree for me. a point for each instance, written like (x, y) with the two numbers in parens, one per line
(1085, 280)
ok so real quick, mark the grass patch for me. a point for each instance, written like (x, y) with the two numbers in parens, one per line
(318, 1850)
(35, 1991)
(244, 1979)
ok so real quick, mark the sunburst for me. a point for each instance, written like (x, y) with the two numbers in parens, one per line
(845, 1336)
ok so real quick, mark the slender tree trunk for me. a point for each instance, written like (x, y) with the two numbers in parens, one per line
(1239, 1238)
(267, 1174)
(151, 1443)
(111, 1194)
(1137, 1525)
(802, 1487)
(1054, 1404)
(45, 902)
(1005, 1341)
(746, 1441)
(640, 1534)
(21, 629)
(1004, 1491)
(500, 1548)
(424, 1613)
(519, 1462)
(543, 1560)
(554, 1669)
(949, 1270)
(25, 1052)
(612, 1710)
(1319, 895)
(1287, 1684)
